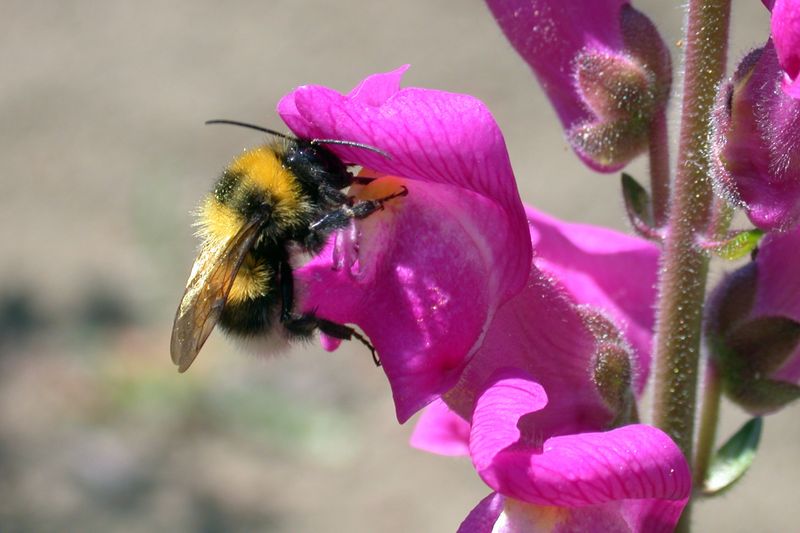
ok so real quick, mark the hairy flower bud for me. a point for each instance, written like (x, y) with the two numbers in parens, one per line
(614, 87)
(612, 367)
(756, 142)
(753, 328)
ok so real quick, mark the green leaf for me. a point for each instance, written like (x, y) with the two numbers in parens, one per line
(738, 245)
(734, 458)
(637, 206)
(637, 199)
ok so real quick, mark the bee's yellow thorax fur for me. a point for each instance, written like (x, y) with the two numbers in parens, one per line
(264, 171)
(259, 170)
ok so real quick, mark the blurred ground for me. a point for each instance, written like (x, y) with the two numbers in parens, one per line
(102, 156)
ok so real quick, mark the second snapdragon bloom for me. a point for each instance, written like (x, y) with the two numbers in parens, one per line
(602, 64)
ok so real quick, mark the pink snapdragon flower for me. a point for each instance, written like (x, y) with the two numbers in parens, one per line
(632, 479)
(754, 327)
(442, 280)
(425, 276)
(602, 64)
(756, 142)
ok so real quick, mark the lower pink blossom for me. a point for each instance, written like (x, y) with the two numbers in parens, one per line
(633, 478)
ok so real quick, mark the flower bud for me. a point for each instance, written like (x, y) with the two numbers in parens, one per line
(756, 142)
(609, 144)
(612, 368)
(614, 87)
(753, 327)
(643, 42)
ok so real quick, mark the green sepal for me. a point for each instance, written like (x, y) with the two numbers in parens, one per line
(638, 207)
(737, 245)
(733, 459)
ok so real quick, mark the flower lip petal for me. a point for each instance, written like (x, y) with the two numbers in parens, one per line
(376, 89)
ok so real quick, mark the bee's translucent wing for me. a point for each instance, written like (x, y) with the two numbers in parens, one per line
(207, 290)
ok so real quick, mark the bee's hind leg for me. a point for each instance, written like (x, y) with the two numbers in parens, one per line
(304, 326)
(340, 331)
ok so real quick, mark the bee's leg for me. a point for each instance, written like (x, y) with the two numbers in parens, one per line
(332, 196)
(339, 218)
(304, 325)
(346, 333)
(287, 290)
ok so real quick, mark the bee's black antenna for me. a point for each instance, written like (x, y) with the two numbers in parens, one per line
(354, 144)
(251, 126)
(312, 141)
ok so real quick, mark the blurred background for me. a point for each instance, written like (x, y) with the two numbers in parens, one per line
(103, 154)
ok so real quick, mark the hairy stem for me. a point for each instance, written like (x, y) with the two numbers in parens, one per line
(709, 416)
(659, 168)
(684, 267)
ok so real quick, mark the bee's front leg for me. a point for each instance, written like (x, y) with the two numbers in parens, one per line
(339, 218)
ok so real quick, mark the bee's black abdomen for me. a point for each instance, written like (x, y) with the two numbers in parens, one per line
(250, 317)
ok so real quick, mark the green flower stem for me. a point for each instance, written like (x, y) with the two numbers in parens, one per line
(684, 269)
(659, 168)
(709, 416)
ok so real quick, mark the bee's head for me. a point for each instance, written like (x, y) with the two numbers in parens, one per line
(309, 160)
(315, 164)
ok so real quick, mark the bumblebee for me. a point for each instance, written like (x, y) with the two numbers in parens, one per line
(272, 203)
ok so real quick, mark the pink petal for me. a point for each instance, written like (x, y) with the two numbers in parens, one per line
(441, 431)
(594, 264)
(758, 144)
(483, 517)
(786, 36)
(637, 466)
